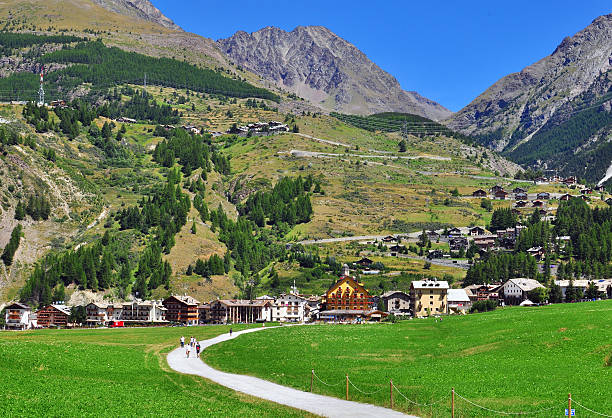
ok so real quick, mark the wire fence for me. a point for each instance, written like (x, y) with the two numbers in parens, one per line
(393, 389)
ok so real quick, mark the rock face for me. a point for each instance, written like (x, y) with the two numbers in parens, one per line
(318, 65)
(515, 108)
(138, 8)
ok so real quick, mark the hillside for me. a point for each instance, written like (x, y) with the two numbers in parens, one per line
(315, 63)
(514, 360)
(524, 107)
(142, 9)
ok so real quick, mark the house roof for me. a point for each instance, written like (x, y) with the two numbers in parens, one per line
(245, 302)
(99, 305)
(430, 284)
(525, 284)
(187, 300)
(457, 295)
(17, 305)
(391, 293)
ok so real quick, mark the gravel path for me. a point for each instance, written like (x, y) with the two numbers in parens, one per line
(317, 404)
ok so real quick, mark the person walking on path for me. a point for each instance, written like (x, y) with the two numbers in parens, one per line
(187, 350)
(197, 349)
(230, 332)
(182, 341)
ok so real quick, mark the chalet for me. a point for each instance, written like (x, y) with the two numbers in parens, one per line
(585, 197)
(191, 129)
(518, 190)
(543, 212)
(182, 309)
(347, 294)
(204, 313)
(428, 297)
(485, 242)
(479, 193)
(458, 301)
(458, 243)
(476, 231)
(126, 120)
(396, 302)
(433, 235)
(114, 312)
(541, 180)
(389, 238)
(58, 103)
(53, 316)
(433, 254)
(482, 292)
(521, 196)
(537, 204)
(566, 197)
(515, 291)
(521, 204)
(569, 180)
(364, 262)
(586, 190)
(496, 188)
(543, 196)
(500, 195)
(97, 314)
(454, 232)
(396, 248)
(506, 233)
(240, 311)
(537, 252)
(19, 317)
(600, 188)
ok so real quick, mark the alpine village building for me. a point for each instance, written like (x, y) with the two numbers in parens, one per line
(182, 309)
(346, 299)
(428, 297)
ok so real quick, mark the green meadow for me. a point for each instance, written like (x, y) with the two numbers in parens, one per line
(510, 360)
(112, 372)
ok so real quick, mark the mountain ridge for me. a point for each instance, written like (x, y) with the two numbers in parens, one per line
(315, 63)
(514, 108)
(142, 9)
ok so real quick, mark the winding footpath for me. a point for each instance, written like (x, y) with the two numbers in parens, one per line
(317, 404)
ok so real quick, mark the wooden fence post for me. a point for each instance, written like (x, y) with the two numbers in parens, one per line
(569, 404)
(347, 387)
(391, 391)
(453, 403)
(311, 379)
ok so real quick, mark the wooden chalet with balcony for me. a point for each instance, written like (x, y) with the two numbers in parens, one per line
(182, 309)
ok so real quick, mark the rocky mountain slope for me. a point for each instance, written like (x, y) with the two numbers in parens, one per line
(318, 65)
(138, 8)
(515, 108)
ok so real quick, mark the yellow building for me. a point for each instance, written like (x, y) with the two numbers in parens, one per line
(347, 294)
(428, 297)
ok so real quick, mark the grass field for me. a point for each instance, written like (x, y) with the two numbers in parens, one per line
(120, 372)
(514, 360)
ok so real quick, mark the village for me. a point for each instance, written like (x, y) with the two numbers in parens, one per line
(346, 301)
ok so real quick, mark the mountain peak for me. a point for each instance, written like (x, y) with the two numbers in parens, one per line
(315, 63)
(142, 9)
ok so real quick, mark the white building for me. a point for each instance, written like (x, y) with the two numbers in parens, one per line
(289, 308)
(19, 317)
(458, 301)
(97, 314)
(515, 290)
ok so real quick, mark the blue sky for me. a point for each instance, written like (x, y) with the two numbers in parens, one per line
(448, 51)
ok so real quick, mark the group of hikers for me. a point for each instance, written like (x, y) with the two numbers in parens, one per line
(193, 345)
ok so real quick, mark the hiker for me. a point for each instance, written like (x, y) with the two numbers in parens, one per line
(197, 350)
(230, 332)
(187, 349)
(182, 342)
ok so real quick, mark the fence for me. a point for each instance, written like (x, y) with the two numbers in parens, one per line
(452, 397)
